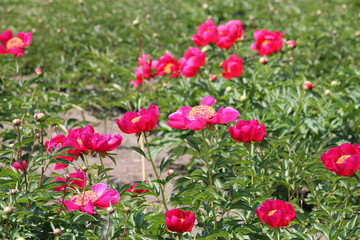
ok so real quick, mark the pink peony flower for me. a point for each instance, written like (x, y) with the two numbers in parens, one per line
(137, 191)
(19, 167)
(97, 196)
(207, 33)
(72, 181)
(276, 213)
(229, 33)
(246, 131)
(198, 117)
(14, 45)
(142, 121)
(179, 221)
(79, 134)
(233, 67)
(193, 59)
(166, 65)
(267, 42)
(98, 143)
(143, 72)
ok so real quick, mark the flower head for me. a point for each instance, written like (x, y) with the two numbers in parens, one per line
(137, 191)
(97, 196)
(308, 86)
(79, 134)
(233, 67)
(73, 181)
(343, 160)
(267, 42)
(143, 72)
(246, 131)
(19, 167)
(179, 221)
(193, 59)
(197, 117)
(99, 143)
(14, 45)
(276, 213)
(207, 33)
(142, 121)
(167, 65)
(229, 33)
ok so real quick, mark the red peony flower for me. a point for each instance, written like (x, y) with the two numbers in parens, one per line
(197, 117)
(179, 221)
(308, 86)
(233, 67)
(267, 42)
(207, 33)
(98, 143)
(14, 45)
(276, 213)
(193, 59)
(137, 191)
(343, 160)
(142, 121)
(19, 167)
(167, 64)
(144, 70)
(72, 181)
(246, 131)
(79, 134)
(97, 196)
(229, 33)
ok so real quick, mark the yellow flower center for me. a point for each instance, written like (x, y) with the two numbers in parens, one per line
(135, 120)
(182, 220)
(264, 42)
(14, 43)
(79, 141)
(85, 198)
(203, 111)
(167, 68)
(271, 212)
(228, 70)
(342, 159)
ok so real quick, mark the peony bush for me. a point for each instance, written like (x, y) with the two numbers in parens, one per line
(196, 90)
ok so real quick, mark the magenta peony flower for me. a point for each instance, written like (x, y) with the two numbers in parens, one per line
(197, 117)
(19, 167)
(166, 65)
(137, 191)
(97, 196)
(179, 221)
(98, 143)
(276, 213)
(207, 33)
(142, 121)
(143, 72)
(233, 67)
(267, 42)
(246, 131)
(72, 181)
(193, 59)
(14, 45)
(79, 134)
(229, 33)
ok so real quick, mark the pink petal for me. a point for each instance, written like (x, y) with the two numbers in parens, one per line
(99, 188)
(208, 100)
(109, 196)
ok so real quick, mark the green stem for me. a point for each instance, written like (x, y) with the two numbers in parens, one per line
(250, 157)
(20, 159)
(157, 175)
(206, 159)
(107, 177)
(344, 209)
(277, 230)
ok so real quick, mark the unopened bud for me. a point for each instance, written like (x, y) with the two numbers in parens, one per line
(327, 92)
(11, 145)
(110, 210)
(38, 71)
(155, 35)
(263, 60)
(243, 98)
(53, 124)
(37, 135)
(57, 232)
(20, 238)
(58, 30)
(318, 12)
(126, 209)
(8, 210)
(334, 83)
(251, 17)
(308, 86)
(170, 172)
(334, 32)
(39, 116)
(135, 22)
(16, 122)
(67, 176)
(228, 89)
(205, 6)
(344, 6)
(291, 44)
(13, 191)
(84, 169)
(357, 33)
(148, 16)
(291, 59)
(272, 9)
(213, 78)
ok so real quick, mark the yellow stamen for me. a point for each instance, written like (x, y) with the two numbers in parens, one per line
(228, 70)
(203, 111)
(85, 198)
(14, 43)
(264, 42)
(167, 68)
(182, 220)
(271, 212)
(342, 159)
(79, 141)
(135, 120)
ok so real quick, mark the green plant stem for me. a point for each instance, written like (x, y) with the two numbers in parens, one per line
(43, 169)
(180, 236)
(20, 158)
(344, 209)
(124, 227)
(63, 198)
(277, 231)
(250, 158)
(102, 164)
(156, 173)
(108, 228)
(206, 159)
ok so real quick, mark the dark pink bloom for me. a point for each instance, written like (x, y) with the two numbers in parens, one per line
(137, 191)
(79, 134)
(19, 167)
(276, 213)
(179, 221)
(207, 33)
(193, 59)
(246, 131)
(98, 143)
(72, 181)
(291, 44)
(197, 117)
(233, 67)
(267, 42)
(343, 160)
(229, 33)
(308, 86)
(166, 65)
(97, 196)
(143, 72)
(142, 121)
(14, 45)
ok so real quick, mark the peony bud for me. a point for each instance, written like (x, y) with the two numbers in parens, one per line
(57, 232)
(148, 16)
(228, 89)
(334, 83)
(16, 122)
(20, 238)
(126, 209)
(243, 98)
(38, 71)
(110, 210)
(344, 6)
(13, 191)
(84, 169)
(155, 35)
(291, 44)
(8, 210)
(251, 17)
(135, 22)
(327, 92)
(291, 59)
(308, 86)
(357, 33)
(170, 172)
(334, 32)
(213, 78)
(67, 176)
(37, 135)
(318, 12)
(263, 60)
(11, 145)
(205, 6)
(39, 116)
